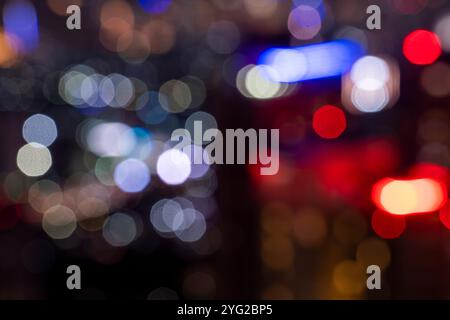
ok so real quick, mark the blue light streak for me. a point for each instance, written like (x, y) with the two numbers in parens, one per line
(323, 60)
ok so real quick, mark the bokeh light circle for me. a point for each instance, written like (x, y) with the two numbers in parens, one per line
(173, 167)
(329, 122)
(119, 230)
(34, 159)
(41, 129)
(59, 222)
(388, 226)
(132, 175)
(304, 22)
(422, 47)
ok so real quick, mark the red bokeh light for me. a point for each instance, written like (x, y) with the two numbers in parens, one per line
(422, 47)
(329, 122)
(431, 171)
(388, 226)
(378, 157)
(444, 215)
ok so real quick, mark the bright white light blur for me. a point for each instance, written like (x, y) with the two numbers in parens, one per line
(173, 167)
(34, 159)
(119, 230)
(283, 70)
(41, 129)
(369, 100)
(370, 73)
(258, 84)
(113, 139)
(319, 60)
(372, 85)
(132, 175)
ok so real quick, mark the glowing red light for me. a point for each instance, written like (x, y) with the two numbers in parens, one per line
(387, 226)
(401, 197)
(329, 122)
(444, 215)
(379, 156)
(430, 170)
(422, 47)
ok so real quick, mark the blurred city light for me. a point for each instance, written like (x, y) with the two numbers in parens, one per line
(409, 196)
(34, 159)
(173, 167)
(41, 129)
(314, 61)
(372, 85)
(422, 47)
(329, 122)
(92, 174)
(131, 175)
(20, 20)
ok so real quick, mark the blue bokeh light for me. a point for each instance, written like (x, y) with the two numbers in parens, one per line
(132, 175)
(20, 20)
(155, 6)
(322, 60)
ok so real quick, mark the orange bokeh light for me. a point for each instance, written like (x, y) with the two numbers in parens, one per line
(8, 49)
(402, 197)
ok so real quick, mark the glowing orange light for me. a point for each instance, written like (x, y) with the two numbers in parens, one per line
(8, 50)
(403, 197)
